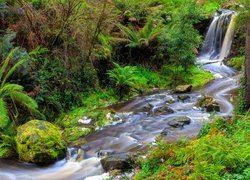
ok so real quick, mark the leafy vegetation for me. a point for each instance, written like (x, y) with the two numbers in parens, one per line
(13, 93)
(222, 151)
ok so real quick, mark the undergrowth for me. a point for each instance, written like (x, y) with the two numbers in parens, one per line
(221, 152)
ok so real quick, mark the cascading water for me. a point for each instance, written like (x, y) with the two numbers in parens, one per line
(215, 50)
(219, 37)
(139, 126)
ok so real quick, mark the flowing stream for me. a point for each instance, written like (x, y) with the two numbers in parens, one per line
(144, 118)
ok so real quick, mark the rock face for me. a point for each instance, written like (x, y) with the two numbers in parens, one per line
(122, 161)
(183, 88)
(209, 104)
(40, 142)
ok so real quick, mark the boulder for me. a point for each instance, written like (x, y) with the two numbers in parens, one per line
(183, 88)
(122, 161)
(175, 123)
(209, 104)
(162, 110)
(183, 97)
(40, 142)
(213, 107)
(179, 121)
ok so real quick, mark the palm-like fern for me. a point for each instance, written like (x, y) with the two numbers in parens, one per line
(142, 37)
(13, 92)
(123, 76)
(126, 79)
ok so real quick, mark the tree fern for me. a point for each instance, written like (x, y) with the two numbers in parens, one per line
(142, 37)
(131, 34)
(13, 92)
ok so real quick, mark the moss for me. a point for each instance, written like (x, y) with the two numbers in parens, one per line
(71, 135)
(199, 77)
(40, 142)
(236, 62)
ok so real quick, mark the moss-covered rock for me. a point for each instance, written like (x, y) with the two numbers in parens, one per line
(209, 104)
(73, 134)
(40, 142)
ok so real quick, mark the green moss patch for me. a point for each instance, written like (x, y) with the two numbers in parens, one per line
(40, 142)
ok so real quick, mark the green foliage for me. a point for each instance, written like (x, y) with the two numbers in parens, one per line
(13, 93)
(133, 8)
(125, 79)
(92, 100)
(6, 43)
(39, 3)
(143, 37)
(237, 62)
(222, 151)
(55, 88)
(179, 75)
(71, 135)
(7, 146)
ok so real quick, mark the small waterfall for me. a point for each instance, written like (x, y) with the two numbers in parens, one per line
(219, 36)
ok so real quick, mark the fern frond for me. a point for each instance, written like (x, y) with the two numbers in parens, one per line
(6, 62)
(4, 117)
(11, 71)
(28, 102)
(8, 88)
(23, 99)
(131, 34)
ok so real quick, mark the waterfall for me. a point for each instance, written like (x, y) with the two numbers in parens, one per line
(219, 37)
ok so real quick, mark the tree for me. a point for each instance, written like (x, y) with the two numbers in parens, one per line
(13, 93)
(247, 65)
(245, 18)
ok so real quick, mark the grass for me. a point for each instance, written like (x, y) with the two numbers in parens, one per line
(93, 101)
(199, 77)
(221, 152)
(237, 62)
(195, 76)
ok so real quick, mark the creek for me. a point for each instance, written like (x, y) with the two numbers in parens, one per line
(144, 118)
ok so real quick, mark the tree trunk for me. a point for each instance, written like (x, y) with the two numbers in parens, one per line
(247, 66)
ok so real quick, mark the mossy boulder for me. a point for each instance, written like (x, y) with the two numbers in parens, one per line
(209, 104)
(72, 135)
(40, 142)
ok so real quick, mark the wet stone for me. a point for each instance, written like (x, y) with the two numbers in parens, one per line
(179, 122)
(183, 88)
(162, 110)
(213, 107)
(104, 153)
(121, 161)
(183, 97)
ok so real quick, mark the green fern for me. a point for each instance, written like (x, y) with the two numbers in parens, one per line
(13, 92)
(143, 37)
